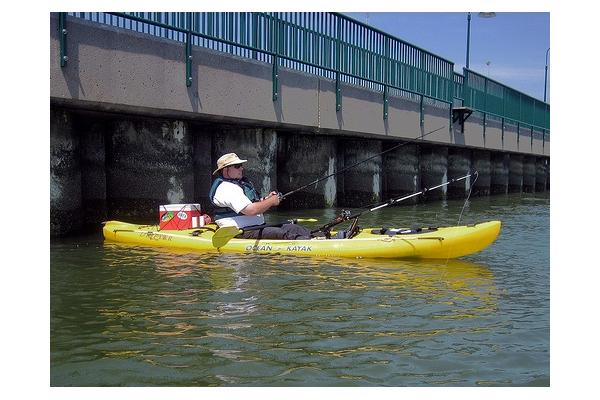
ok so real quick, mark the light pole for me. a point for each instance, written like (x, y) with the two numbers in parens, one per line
(468, 36)
(482, 15)
(546, 74)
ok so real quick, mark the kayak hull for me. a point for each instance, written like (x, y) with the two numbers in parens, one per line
(441, 243)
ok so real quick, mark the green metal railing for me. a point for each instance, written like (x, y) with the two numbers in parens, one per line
(459, 100)
(493, 98)
(327, 44)
(334, 46)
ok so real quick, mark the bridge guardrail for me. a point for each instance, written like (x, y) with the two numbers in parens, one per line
(494, 98)
(337, 47)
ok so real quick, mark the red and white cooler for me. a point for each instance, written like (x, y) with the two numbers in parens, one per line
(180, 216)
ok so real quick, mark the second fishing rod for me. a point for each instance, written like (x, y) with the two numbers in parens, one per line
(283, 196)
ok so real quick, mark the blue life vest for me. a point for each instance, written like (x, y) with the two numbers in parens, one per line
(226, 212)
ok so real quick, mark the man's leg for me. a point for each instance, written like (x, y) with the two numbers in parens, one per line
(286, 232)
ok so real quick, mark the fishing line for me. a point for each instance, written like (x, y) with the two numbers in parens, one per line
(476, 175)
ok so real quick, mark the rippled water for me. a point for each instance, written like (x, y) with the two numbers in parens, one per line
(134, 316)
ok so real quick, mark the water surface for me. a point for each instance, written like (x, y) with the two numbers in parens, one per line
(137, 316)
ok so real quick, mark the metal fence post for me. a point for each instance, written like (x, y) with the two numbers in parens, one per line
(386, 78)
(485, 96)
(338, 55)
(62, 34)
(275, 41)
(188, 51)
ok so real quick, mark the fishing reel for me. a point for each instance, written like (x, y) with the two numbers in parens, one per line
(344, 216)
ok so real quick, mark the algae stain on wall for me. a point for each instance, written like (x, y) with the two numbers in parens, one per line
(175, 193)
(330, 184)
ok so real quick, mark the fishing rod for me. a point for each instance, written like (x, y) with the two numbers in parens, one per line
(360, 162)
(223, 235)
(346, 215)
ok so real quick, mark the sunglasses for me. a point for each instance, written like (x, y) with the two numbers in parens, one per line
(236, 166)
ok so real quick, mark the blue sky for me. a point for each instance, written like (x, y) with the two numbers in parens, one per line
(515, 44)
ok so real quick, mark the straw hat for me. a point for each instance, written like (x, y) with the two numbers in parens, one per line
(226, 160)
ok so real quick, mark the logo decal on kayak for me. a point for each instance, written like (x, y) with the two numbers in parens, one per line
(259, 248)
(156, 236)
(268, 247)
(299, 248)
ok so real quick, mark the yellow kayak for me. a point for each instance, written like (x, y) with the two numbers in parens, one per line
(443, 242)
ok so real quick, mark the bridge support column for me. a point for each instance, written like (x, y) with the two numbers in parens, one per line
(65, 175)
(148, 163)
(459, 164)
(500, 164)
(203, 162)
(302, 159)
(258, 146)
(548, 175)
(482, 164)
(515, 174)
(360, 185)
(529, 174)
(401, 175)
(434, 170)
(540, 174)
(93, 171)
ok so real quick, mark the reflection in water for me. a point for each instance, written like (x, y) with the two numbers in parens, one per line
(232, 306)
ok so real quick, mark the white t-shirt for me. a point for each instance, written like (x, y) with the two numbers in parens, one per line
(232, 196)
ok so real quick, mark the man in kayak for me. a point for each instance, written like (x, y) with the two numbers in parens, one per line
(238, 203)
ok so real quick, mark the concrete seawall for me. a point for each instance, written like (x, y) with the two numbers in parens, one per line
(107, 166)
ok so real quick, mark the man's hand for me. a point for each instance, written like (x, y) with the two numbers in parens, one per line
(273, 198)
(260, 207)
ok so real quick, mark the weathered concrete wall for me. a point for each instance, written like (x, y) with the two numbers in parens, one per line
(548, 174)
(303, 159)
(481, 164)
(360, 185)
(401, 171)
(434, 170)
(148, 163)
(515, 174)
(204, 164)
(500, 170)
(529, 174)
(93, 130)
(65, 175)
(540, 174)
(459, 164)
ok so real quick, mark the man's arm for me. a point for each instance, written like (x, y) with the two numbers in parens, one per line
(260, 207)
